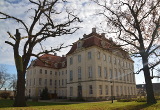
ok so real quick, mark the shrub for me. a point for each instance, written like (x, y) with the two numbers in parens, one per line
(124, 100)
(157, 97)
(4, 95)
(141, 100)
(11, 97)
(45, 95)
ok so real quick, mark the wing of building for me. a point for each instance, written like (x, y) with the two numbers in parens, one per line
(95, 68)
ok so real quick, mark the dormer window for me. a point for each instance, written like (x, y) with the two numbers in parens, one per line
(103, 43)
(63, 64)
(56, 65)
(79, 44)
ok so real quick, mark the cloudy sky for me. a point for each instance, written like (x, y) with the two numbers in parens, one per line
(85, 10)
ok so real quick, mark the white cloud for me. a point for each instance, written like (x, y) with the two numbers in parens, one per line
(85, 9)
(82, 8)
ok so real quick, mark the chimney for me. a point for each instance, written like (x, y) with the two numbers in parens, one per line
(103, 34)
(84, 36)
(55, 54)
(94, 30)
(110, 39)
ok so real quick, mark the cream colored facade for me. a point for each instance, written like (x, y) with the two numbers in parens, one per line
(91, 73)
(55, 80)
(100, 81)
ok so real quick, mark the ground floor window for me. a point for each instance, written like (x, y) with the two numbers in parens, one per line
(90, 89)
(71, 91)
(100, 89)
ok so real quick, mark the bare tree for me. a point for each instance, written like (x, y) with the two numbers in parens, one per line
(4, 77)
(137, 25)
(13, 82)
(45, 12)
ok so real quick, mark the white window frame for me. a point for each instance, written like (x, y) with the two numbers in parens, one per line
(90, 71)
(99, 71)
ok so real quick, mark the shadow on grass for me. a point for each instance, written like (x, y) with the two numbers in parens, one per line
(4, 103)
(135, 107)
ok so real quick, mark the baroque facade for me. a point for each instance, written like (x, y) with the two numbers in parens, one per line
(94, 68)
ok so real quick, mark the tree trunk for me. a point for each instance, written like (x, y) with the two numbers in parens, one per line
(149, 87)
(20, 95)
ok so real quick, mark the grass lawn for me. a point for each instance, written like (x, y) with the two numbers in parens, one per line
(6, 105)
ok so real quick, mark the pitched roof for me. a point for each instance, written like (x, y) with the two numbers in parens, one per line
(94, 39)
(50, 61)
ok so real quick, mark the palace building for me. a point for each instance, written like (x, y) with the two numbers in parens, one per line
(95, 68)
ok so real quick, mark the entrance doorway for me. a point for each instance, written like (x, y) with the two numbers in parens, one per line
(79, 91)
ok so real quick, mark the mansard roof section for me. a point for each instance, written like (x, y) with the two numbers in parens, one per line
(99, 40)
(50, 61)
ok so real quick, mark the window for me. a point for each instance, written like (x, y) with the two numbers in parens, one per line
(128, 91)
(71, 91)
(90, 89)
(125, 90)
(105, 72)
(39, 92)
(116, 73)
(50, 82)
(90, 72)
(55, 73)
(79, 73)
(111, 74)
(118, 61)
(121, 92)
(79, 44)
(34, 81)
(71, 75)
(45, 71)
(45, 82)
(127, 77)
(133, 78)
(98, 55)
(130, 77)
(62, 82)
(27, 83)
(89, 55)
(123, 63)
(114, 60)
(55, 82)
(79, 58)
(117, 90)
(100, 89)
(56, 65)
(30, 82)
(71, 61)
(120, 74)
(50, 72)
(104, 57)
(63, 64)
(106, 87)
(62, 72)
(40, 71)
(66, 81)
(109, 59)
(124, 75)
(59, 82)
(99, 71)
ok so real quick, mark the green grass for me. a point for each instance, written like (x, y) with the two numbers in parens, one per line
(6, 105)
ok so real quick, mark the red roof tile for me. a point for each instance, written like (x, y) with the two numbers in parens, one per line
(52, 61)
(95, 39)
